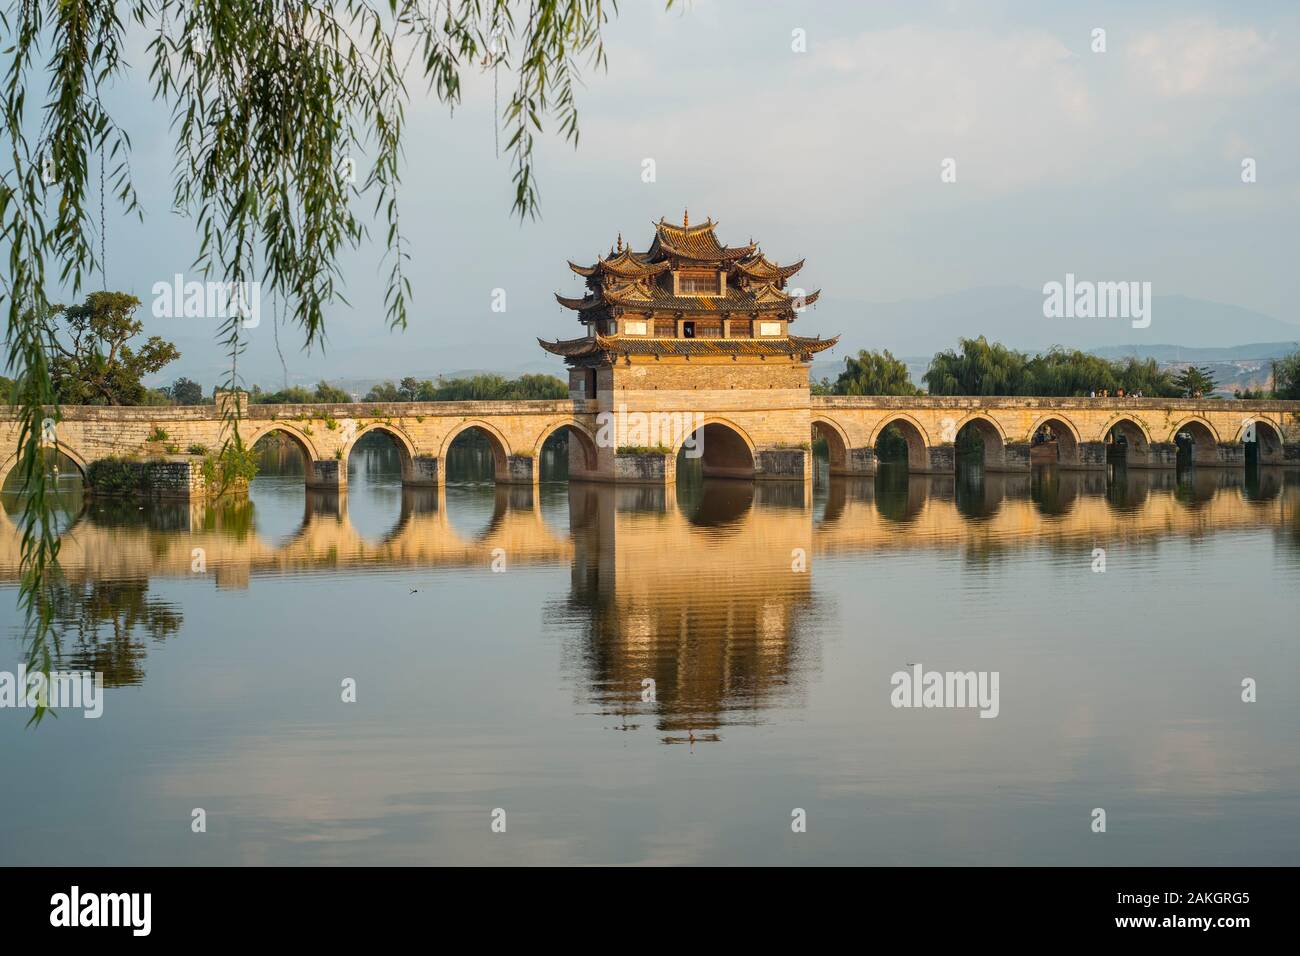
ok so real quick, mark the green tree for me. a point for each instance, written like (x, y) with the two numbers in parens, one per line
(1066, 372)
(327, 394)
(1193, 381)
(471, 388)
(383, 392)
(1145, 376)
(183, 391)
(413, 390)
(1286, 377)
(977, 369)
(537, 387)
(495, 387)
(323, 394)
(293, 395)
(91, 362)
(874, 373)
(980, 368)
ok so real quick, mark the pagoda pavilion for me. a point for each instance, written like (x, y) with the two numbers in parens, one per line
(688, 298)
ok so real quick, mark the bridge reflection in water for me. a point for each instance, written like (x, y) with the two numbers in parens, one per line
(689, 608)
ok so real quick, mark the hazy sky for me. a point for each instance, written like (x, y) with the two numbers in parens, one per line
(1114, 166)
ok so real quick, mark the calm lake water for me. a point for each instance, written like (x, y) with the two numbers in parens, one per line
(523, 688)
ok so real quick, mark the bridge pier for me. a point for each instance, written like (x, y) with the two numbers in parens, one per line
(423, 471)
(1015, 458)
(327, 474)
(781, 464)
(1092, 454)
(857, 461)
(1162, 454)
(519, 470)
(1231, 455)
(942, 459)
(643, 468)
(1159, 454)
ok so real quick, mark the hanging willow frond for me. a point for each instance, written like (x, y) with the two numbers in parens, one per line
(267, 98)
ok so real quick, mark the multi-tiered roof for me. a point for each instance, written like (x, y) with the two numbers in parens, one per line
(688, 295)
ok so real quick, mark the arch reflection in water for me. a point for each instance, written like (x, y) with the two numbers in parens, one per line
(375, 494)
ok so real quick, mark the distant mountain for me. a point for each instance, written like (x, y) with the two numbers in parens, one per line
(1259, 351)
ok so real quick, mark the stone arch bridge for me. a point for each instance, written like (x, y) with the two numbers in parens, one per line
(748, 433)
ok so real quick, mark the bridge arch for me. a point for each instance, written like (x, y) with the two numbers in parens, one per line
(1066, 434)
(1197, 427)
(1137, 439)
(295, 434)
(1268, 439)
(837, 441)
(501, 450)
(914, 433)
(1128, 426)
(71, 454)
(728, 449)
(1205, 439)
(990, 432)
(586, 444)
(402, 441)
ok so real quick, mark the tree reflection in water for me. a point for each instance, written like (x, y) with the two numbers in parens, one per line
(102, 627)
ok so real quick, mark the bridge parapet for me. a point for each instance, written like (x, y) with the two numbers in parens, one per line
(1063, 402)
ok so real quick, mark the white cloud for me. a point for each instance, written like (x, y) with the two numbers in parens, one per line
(861, 116)
(1199, 56)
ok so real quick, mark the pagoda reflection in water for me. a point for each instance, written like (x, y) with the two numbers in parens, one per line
(692, 614)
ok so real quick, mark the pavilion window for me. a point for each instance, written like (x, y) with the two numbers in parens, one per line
(698, 283)
(688, 330)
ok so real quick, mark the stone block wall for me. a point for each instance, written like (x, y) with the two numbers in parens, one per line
(783, 463)
(645, 467)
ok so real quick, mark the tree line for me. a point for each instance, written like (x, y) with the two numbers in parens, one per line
(96, 356)
(411, 389)
(978, 367)
(472, 388)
